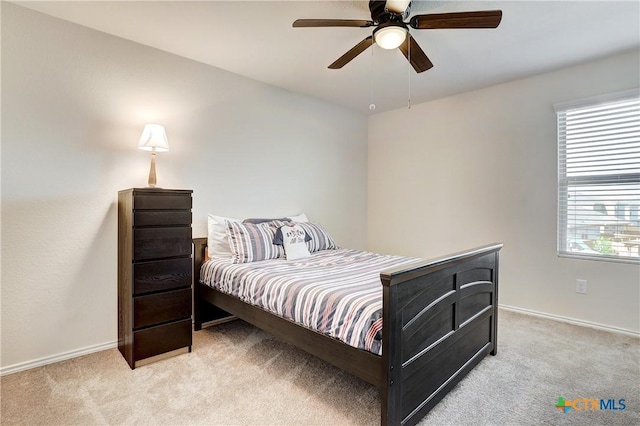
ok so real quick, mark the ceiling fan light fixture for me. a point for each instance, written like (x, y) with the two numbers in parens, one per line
(390, 37)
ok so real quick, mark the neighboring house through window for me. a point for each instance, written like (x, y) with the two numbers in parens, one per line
(599, 177)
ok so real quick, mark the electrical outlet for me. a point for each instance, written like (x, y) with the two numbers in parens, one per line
(581, 286)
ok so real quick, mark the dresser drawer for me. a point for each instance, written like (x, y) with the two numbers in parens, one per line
(163, 338)
(162, 202)
(162, 217)
(161, 307)
(155, 243)
(161, 275)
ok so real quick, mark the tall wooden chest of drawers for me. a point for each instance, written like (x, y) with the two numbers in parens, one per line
(154, 272)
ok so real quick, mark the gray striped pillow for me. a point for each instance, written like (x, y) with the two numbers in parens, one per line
(320, 238)
(251, 242)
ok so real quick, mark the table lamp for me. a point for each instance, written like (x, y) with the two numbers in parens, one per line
(154, 139)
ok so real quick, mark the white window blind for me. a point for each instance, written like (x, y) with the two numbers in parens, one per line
(599, 178)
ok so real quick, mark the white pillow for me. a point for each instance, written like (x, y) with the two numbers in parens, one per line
(217, 241)
(299, 218)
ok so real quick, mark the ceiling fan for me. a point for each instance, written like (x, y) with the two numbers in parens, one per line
(392, 32)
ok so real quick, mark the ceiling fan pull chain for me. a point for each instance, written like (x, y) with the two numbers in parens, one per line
(372, 105)
(409, 71)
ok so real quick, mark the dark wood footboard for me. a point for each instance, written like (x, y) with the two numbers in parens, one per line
(440, 320)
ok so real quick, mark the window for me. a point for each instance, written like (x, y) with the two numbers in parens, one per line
(599, 177)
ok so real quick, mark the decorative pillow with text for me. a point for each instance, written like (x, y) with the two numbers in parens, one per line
(294, 240)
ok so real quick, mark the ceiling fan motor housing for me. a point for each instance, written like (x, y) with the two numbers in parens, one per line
(380, 14)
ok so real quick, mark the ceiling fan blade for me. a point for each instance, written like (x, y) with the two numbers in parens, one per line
(479, 19)
(416, 56)
(355, 51)
(307, 23)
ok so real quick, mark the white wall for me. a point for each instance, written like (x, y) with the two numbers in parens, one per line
(74, 102)
(480, 167)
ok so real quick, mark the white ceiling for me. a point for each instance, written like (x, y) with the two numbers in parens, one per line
(255, 39)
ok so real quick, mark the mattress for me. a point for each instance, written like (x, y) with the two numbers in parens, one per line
(334, 292)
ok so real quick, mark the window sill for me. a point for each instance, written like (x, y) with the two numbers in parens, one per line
(600, 258)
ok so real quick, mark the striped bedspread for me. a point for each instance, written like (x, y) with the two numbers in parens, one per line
(335, 292)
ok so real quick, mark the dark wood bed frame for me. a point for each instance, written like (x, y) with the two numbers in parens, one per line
(439, 321)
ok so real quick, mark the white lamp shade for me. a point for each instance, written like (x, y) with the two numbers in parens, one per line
(153, 138)
(390, 37)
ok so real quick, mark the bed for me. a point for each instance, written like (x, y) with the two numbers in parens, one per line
(439, 320)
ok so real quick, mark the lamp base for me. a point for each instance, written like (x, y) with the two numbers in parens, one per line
(152, 170)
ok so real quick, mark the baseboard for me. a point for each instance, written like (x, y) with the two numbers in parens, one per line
(27, 365)
(571, 320)
(114, 344)
(57, 358)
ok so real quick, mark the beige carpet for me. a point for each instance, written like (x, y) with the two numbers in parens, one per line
(240, 375)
